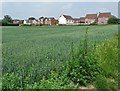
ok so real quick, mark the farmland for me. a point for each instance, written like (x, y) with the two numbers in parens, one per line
(31, 52)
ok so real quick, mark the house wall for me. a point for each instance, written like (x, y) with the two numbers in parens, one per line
(34, 22)
(62, 20)
(103, 20)
(51, 22)
(89, 21)
(69, 21)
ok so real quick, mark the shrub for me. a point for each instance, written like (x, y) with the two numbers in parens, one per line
(113, 20)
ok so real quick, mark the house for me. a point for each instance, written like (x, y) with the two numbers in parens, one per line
(91, 18)
(103, 17)
(17, 21)
(76, 20)
(27, 22)
(50, 21)
(35, 21)
(30, 21)
(82, 19)
(65, 19)
(41, 20)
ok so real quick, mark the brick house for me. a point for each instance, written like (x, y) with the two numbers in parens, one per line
(17, 21)
(35, 21)
(41, 20)
(82, 19)
(91, 18)
(48, 21)
(103, 17)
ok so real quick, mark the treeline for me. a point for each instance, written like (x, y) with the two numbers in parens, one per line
(7, 21)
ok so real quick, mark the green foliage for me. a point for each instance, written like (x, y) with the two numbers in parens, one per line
(113, 20)
(82, 67)
(31, 18)
(53, 81)
(30, 53)
(101, 82)
(7, 19)
(107, 55)
(10, 81)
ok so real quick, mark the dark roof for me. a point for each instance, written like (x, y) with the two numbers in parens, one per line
(106, 14)
(91, 16)
(67, 17)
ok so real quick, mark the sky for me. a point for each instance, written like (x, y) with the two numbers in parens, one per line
(24, 10)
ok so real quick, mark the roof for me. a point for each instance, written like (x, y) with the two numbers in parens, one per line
(67, 17)
(82, 18)
(106, 14)
(91, 16)
(76, 19)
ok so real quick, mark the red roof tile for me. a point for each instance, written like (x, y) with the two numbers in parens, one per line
(107, 14)
(91, 16)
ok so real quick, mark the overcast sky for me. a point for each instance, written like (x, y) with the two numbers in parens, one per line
(24, 10)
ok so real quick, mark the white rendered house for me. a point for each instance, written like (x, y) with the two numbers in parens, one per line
(65, 19)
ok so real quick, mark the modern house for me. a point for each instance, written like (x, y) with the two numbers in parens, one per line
(65, 19)
(103, 17)
(91, 18)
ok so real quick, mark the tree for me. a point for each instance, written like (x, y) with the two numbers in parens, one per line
(41, 17)
(113, 20)
(31, 18)
(7, 19)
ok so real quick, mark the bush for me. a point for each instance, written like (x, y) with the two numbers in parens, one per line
(10, 24)
(113, 20)
(61, 24)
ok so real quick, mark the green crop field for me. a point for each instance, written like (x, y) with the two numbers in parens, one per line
(33, 51)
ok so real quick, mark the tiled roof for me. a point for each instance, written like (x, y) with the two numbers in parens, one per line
(107, 14)
(82, 18)
(91, 16)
